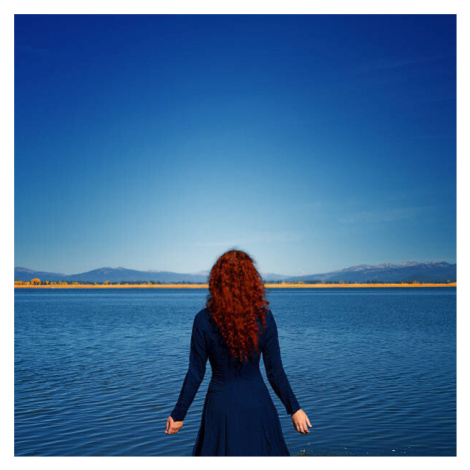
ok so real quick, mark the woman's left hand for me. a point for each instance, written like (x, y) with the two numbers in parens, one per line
(172, 427)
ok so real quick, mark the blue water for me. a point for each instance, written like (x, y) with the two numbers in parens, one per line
(97, 372)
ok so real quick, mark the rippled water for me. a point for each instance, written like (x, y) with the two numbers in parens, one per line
(97, 372)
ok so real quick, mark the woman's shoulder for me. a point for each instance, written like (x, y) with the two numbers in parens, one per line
(202, 316)
(268, 315)
(268, 320)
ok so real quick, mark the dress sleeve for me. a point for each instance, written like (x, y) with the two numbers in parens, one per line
(274, 368)
(195, 374)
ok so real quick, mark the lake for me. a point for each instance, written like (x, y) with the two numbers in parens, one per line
(98, 371)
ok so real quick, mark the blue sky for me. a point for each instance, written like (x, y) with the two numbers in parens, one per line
(158, 142)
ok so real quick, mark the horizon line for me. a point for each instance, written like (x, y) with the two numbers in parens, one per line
(203, 271)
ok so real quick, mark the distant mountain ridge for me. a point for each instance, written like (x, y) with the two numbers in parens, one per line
(429, 271)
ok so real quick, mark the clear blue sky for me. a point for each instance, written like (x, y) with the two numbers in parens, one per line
(158, 142)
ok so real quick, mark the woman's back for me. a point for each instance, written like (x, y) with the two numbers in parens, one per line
(237, 396)
(239, 416)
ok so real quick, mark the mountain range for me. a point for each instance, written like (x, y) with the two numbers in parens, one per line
(429, 271)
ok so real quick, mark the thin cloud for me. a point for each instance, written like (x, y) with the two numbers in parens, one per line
(398, 63)
(383, 215)
(255, 238)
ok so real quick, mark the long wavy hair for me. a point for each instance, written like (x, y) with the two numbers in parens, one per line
(236, 300)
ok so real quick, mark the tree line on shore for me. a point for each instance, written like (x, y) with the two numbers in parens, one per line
(38, 282)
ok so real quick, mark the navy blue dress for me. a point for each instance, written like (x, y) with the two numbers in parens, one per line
(239, 417)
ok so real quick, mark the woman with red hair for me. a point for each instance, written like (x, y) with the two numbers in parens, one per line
(239, 417)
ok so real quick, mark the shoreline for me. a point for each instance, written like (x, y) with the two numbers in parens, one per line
(206, 286)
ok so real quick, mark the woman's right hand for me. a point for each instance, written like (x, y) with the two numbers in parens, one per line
(301, 422)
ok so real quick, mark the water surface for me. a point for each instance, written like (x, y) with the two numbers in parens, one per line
(97, 372)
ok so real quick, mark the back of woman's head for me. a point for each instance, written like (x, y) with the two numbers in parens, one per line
(236, 301)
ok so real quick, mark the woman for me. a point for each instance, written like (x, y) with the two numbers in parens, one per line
(239, 417)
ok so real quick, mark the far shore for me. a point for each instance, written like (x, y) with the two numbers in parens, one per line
(205, 286)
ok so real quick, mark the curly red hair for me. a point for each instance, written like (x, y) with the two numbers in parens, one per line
(236, 300)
